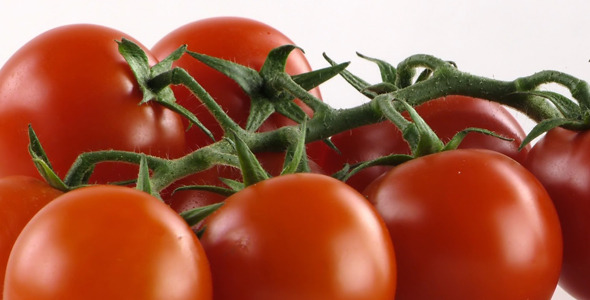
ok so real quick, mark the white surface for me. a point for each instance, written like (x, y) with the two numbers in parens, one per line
(499, 39)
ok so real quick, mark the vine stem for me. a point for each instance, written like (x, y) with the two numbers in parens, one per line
(180, 76)
(286, 82)
(579, 89)
(86, 162)
(218, 153)
(445, 79)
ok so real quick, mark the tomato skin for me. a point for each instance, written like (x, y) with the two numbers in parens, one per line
(469, 224)
(299, 236)
(243, 41)
(561, 160)
(72, 85)
(446, 116)
(107, 242)
(21, 197)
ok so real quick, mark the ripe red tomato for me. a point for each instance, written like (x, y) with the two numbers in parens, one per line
(80, 95)
(446, 116)
(243, 41)
(20, 199)
(299, 236)
(107, 242)
(469, 224)
(561, 161)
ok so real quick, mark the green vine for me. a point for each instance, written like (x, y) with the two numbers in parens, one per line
(272, 90)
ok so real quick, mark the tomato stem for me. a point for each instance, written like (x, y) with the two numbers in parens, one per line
(579, 89)
(181, 76)
(218, 153)
(450, 81)
(442, 78)
(407, 68)
(270, 87)
(85, 163)
(273, 72)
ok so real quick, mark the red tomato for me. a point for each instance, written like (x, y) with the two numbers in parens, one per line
(243, 41)
(107, 242)
(446, 116)
(20, 199)
(299, 236)
(469, 224)
(79, 94)
(561, 161)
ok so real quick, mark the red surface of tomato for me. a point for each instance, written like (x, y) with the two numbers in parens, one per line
(107, 242)
(242, 41)
(299, 236)
(20, 199)
(79, 94)
(561, 161)
(469, 224)
(446, 116)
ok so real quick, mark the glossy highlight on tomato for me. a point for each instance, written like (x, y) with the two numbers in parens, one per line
(107, 242)
(299, 236)
(469, 224)
(78, 93)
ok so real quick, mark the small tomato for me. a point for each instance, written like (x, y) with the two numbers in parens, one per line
(469, 224)
(107, 242)
(299, 236)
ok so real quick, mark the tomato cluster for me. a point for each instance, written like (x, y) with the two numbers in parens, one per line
(488, 221)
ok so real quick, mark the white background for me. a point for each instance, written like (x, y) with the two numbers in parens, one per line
(498, 39)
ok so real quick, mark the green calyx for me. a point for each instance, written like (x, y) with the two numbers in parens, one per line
(138, 62)
(43, 164)
(271, 89)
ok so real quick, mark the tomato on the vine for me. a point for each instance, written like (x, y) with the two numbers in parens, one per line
(561, 161)
(243, 41)
(469, 224)
(446, 116)
(107, 242)
(21, 197)
(78, 93)
(299, 236)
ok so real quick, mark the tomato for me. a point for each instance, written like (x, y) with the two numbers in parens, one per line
(299, 236)
(107, 242)
(561, 160)
(446, 116)
(80, 95)
(469, 224)
(20, 198)
(243, 41)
